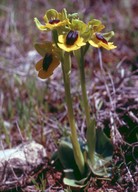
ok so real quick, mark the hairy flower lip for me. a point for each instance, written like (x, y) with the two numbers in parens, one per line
(77, 44)
(101, 38)
(99, 44)
(71, 37)
(47, 61)
(45, 68)
(98, 41)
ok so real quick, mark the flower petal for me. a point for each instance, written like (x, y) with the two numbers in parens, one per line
(39, 65)
(77, 44)
(54, 64)
(57, 25)
(80, 42)
(68, 48)
(61, 38)
(93, 43)
(108, 46)
(44, 74)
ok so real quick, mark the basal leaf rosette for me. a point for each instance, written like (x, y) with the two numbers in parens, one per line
(53, 20)
(74, 38)
(50, 60)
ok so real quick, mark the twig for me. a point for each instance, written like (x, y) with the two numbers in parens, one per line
(132, 116)
(19, 130)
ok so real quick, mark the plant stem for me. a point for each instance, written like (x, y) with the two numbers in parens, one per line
(74, 138)
(90, 123)
(83, 88)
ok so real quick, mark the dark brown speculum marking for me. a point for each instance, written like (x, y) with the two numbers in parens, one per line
(47, 61)
(71, 37)
(54, 21)
(101, 38)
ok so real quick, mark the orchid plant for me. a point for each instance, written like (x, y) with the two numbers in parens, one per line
(72, 35)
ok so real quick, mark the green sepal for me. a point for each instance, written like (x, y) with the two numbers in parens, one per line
(96, 25)
(73, 16)
(108, 35)
(78, 25)
(64, 14)
(94, 22)
(51, 14)
(39, 25)
(43, 48)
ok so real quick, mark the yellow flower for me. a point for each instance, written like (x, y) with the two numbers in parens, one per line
(49, 62)
(51, 25)
(71, 41)
(98, 40)
(53, 20)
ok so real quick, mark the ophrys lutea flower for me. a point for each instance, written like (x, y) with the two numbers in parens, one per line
(49, 62)
(70, 41)
(73, 39)
(99, 39)
(53, 20)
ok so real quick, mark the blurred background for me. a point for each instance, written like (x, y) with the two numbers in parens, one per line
(26, 103)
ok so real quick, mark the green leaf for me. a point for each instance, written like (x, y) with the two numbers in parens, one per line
(66, 157)
(104, 146)
(102, 166)
(74, 183)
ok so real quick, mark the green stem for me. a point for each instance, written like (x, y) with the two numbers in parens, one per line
(74, 138)
(55, 36)
(83, 88)
(90, 123)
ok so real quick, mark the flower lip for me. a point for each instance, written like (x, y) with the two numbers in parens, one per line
(54, 21)
(71, 37)
(47, 61)
(101, 38)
